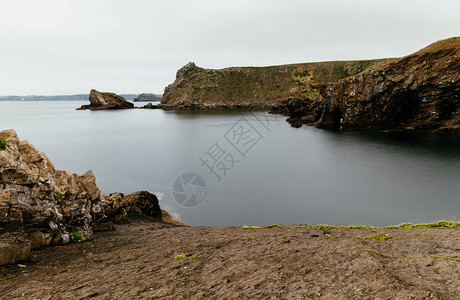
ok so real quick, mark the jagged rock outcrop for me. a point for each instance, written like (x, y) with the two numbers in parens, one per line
(42, 206)
(301, 110)
(420, 91)
(38, 200)
(252, 87)
(103, 100)
(116, 207)
(147, 98)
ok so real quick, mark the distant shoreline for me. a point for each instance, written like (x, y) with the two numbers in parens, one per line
(74, 97)
(42, 100)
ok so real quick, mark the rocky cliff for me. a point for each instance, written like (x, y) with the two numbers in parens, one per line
(421, 91)
(42, 206)
(236, 87)
(103, 100)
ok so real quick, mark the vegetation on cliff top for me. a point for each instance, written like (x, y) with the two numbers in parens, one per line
(259, 86)
(433, 48)
(452, 42)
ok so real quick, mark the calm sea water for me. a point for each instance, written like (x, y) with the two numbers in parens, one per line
(273, 173)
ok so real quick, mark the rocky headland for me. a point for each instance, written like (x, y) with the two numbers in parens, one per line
(41, 206)
(104, 100)
(418, 91)
(252, 87)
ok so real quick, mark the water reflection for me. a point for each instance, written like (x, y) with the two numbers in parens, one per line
(290, 176)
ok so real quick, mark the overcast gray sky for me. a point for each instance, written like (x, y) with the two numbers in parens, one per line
(66, 47)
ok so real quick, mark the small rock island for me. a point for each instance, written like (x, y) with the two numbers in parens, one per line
(104, 100)
(146, 97)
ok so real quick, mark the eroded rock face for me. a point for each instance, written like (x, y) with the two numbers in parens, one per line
(420, 91)
(34, 197)
(301, 110)
(41, 206)
(103, 100)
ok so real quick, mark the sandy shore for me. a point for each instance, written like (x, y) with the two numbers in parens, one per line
(136, 261)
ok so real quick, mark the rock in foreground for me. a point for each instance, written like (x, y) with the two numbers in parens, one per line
(103, 100)
(41, 206)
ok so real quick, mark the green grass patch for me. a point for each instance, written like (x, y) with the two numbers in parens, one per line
(60, 194)
(274, 225)
(299, 83)
(377, 237)
(250, 227)
(446, 257)
(302, 74)
(376, 252)
(76, 237)
(181, 255)
(312, 94)
(195, 89)
(3, 144)
(336, 226)
(437, 224)
(436, 51)
(340, 72)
